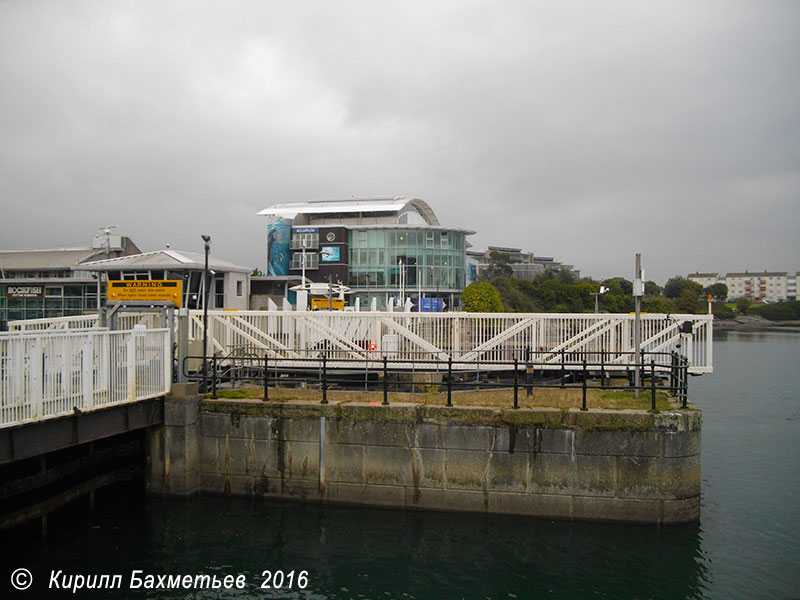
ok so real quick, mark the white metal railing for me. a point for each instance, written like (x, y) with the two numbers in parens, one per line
(45, 374)
(124, 321)
(466, 337)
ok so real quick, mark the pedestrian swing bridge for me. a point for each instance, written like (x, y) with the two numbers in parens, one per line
(466, 338)
(54, 367)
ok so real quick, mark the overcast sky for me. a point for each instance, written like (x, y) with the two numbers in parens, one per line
(587, 131)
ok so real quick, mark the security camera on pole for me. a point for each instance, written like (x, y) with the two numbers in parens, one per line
(638, 292)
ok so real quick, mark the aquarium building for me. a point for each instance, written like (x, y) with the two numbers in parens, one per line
(391, 249)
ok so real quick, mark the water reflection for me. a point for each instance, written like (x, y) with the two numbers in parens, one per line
(370, 553)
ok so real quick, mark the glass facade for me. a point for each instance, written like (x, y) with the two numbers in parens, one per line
(431, 259)
(58, 301)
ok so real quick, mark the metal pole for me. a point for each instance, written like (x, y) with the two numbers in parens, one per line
(385, 381)
(207, 245)
(653, 385)
(637, 332)
(324, 379)
(449, 381)
(266, 378)
(583, 387)
(516, 384)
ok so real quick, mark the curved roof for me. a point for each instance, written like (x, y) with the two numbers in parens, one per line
(351, 205)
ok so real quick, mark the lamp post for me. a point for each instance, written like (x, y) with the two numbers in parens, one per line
(207, 245)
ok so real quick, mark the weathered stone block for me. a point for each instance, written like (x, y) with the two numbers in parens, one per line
(375, 495)
(371, 433)
(344, 463)
(681, 444)
(181, 411)
(535, 505)
(301, 430)
(215, 424)
(427, 467)
(209, 454)
(467, 437)
(680, 511)
(557, 441)
(508, 472)
(466, 469)
(618, 443)
(573, 475)
(515, 439)
(385, 465)
(464, 500)
(616, 509)
(659, 478)
(300, 459)
(428, 435)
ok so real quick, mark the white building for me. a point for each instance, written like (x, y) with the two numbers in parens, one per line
(230, 283)
(761, 287)
(706, 279)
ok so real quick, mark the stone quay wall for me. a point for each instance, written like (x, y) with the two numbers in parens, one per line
(608, 465)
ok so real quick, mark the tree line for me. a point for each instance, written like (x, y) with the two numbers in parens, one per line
(561, 291)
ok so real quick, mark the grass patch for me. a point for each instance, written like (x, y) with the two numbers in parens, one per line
(550, 397)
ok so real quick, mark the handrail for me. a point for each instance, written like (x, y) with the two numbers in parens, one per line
(675, 369)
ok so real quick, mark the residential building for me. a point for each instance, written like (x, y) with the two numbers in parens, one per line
(758, 286)
(390, 249)
(706, 279)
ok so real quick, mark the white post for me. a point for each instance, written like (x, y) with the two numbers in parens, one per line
(35, 374)
(87, 356)
(638, 292)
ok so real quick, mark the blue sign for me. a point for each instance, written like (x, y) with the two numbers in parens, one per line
(306, 229)
(279, 232)
(428, 305)
(329, 254)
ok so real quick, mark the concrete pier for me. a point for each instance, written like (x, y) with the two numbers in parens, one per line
(608, 465)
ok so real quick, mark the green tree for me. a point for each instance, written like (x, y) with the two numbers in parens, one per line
(499, 265)
(688, 301)
(658, 304)
(719, 291)
(481, 296)
(722, 311)
(651, 288)
(742, 304)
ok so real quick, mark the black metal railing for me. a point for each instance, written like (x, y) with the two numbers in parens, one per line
(379, 371)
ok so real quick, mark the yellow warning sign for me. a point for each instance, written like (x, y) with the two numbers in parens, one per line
(146, 290)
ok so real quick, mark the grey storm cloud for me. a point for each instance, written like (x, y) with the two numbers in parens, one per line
(588, 131)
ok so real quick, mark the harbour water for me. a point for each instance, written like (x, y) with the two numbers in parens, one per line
(746, 545)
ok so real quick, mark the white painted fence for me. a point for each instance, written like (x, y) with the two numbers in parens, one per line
(46, 374)
(468, 338)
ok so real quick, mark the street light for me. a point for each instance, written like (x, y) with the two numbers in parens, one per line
(207, 245)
